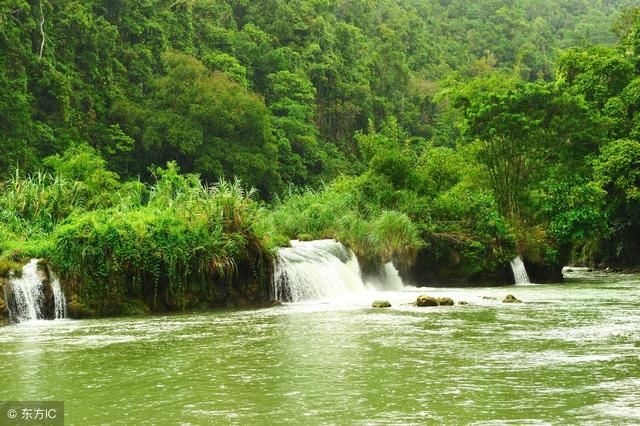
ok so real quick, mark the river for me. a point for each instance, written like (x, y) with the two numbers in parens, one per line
(568, 354)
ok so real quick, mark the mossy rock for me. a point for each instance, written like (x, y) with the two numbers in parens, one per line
(8, 266)
(510, 298)
(134, 307)
(4, 314)
(78, 310)
(381, 304)
(424, 300)
(445, 301)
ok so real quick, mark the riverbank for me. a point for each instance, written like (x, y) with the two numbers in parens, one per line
(306, 272)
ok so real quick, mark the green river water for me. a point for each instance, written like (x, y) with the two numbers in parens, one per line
(569, 355)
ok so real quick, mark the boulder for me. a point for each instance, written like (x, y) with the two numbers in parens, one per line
(381, 304)
(510, 298)
(445, 301)
(424, 300)
(462, 302)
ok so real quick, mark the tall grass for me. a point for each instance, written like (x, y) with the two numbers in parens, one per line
(343, 211)
(38, 202)
(187, 238)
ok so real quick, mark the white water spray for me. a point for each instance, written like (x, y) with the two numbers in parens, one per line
(27, 298)
(59, 301)
(519, 272)
(27, 293)
(312, 270)
(388, 280)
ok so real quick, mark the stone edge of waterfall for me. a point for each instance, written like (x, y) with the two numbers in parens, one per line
(4, 314)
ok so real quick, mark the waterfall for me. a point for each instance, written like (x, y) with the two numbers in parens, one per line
(311, 270)
(325, 269)
(26, 295)
(519, 272)
(387, 280)
(59, 301)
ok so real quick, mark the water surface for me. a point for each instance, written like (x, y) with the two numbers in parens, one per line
(569, 354)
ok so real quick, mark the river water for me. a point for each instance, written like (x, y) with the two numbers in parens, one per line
(569, 354)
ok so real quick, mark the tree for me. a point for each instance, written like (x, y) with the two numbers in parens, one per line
(617, 171)
(208, 123)
(291, 100)
(521, 133)
(597, 73)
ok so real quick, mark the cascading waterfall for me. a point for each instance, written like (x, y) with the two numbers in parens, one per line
(312, 270)
(519, 271)
(388, 280)
(325, 269)
(59, 301)
(26, 295)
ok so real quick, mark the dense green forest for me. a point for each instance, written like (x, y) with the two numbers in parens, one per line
(169, 144)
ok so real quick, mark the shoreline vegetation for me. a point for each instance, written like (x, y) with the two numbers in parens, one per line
(157, 156)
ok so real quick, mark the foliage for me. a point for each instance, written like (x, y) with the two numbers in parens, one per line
(145, 82)
(404, 128)
(617, 171)
(186, 235)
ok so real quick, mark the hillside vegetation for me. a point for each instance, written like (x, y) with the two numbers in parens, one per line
(168, 147)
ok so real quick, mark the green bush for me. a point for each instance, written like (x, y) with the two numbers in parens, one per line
(187, 238)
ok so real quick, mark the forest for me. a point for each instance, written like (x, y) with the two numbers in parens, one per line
(161, 150)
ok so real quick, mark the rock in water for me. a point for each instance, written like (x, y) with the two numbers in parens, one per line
(424, 300)
(511, 299)
(462, 302)
(381, 304)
